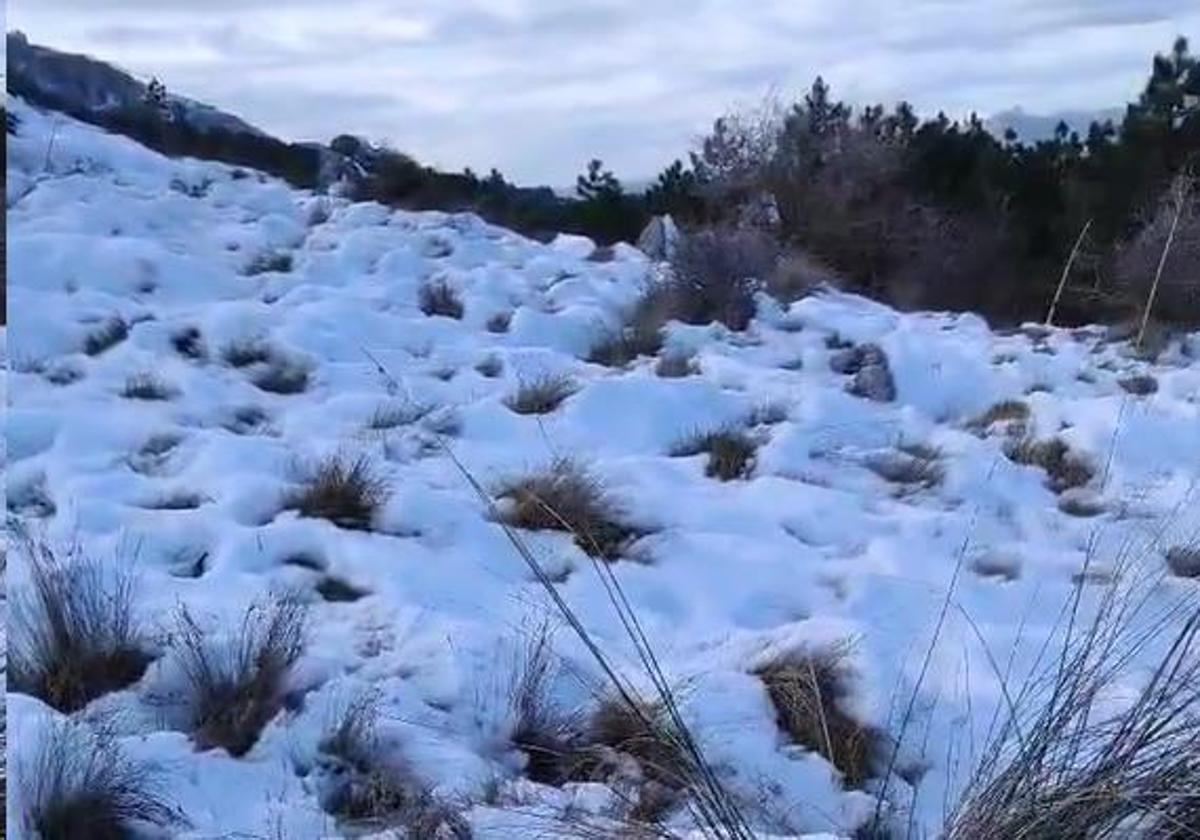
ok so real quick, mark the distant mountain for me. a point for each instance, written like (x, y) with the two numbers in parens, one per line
(1034, 127)
(85, 86)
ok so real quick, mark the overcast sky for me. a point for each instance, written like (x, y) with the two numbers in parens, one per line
(536, 87)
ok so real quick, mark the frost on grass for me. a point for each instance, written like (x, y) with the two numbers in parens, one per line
(74, 632)
(236, 685)
(78, 785)
(809, 691)
(440, 298)
(370, 788)
(565, 497)
(541, 395)
(346, 492)
(730, 452)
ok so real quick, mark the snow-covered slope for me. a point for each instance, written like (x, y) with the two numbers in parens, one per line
(815, 546)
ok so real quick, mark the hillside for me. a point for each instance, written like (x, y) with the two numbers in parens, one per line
(193, 343)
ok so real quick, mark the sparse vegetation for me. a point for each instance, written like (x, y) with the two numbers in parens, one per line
(78, 785)
(146, 386)
(74, 632)
(1140, 385)
(439, 298)
(675, 366)
(1064, 468)
(541, 395)
(730, 452)
(565, 497)
(373, 791)
(236, 685)
(246, 352)
(1005, 411)
(1184, 560)
(189, 343)
(337, 590)
(274, 261)
(490, 366)
(500, 322)
(393, 415)
(808, 691)
(109, 334)
(910, 465)
(282, 376)
(346, 492)
(715, 274)
(640, 335)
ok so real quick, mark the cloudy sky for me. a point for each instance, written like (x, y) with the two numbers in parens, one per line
(536, 87)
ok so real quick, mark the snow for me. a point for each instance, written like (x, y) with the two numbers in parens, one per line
(813, 549)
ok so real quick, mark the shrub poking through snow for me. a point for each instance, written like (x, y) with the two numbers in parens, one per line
(490, 367)
(730, 452)
(276, 261)
(1139, 386)
(106, 336)
(1065, 761)
(78, 785)
(189, 343)
(808, 691)
(1005, 411)
(567, 498)
(393, 415)
(547, 734)
(1184, 560)
(715, 274)
(910, 465)
(640, 335)
(345, 492)
(146, 386)
(246, 352)
(499, 323)
(675, 366)
(541, 395)
(237, 686)
(74, 635)
(1064, 469)
(282, 376)
(370, 790)
(439, 298)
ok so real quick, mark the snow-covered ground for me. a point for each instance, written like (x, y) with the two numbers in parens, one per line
(815, 546)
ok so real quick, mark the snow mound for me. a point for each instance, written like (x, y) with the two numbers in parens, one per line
(185, 331)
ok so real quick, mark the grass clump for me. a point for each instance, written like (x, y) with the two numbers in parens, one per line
(640, 335)
(542, 395)
(565, 497)
(1005, 411)
(189, 343)
(110, 333)
(345, 492)
(246, 352)
(146, 386)
(277, 261)
(730, 452)
(282, 376)
(675, 366)
(500, 322)
(808, 691)
(74, 635)
(914, 465)
(374, 792)
(236, 686)
(1064, 469)
(1184, 560)
(78, 785)
(440, 298)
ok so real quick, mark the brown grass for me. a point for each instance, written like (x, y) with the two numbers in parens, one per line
(237, 687)
(345, 492)
(74, 634)
(565, 497)
(542, 395)
(730, 452)
(1005, 411)
(106, 336)
(146, 386)
(1064, 469)
(808, 691)
(440, 298)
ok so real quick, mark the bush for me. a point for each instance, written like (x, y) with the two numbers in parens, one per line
(347, 493)
(1177, 299)
(808, 691)
(715, 274)
(730, 452)
(541, 395)
(237, 687)
(79, 785)
(566, 498)
(439, 298)
(74, 636)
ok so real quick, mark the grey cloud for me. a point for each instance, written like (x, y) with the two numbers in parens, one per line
(536, 87)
